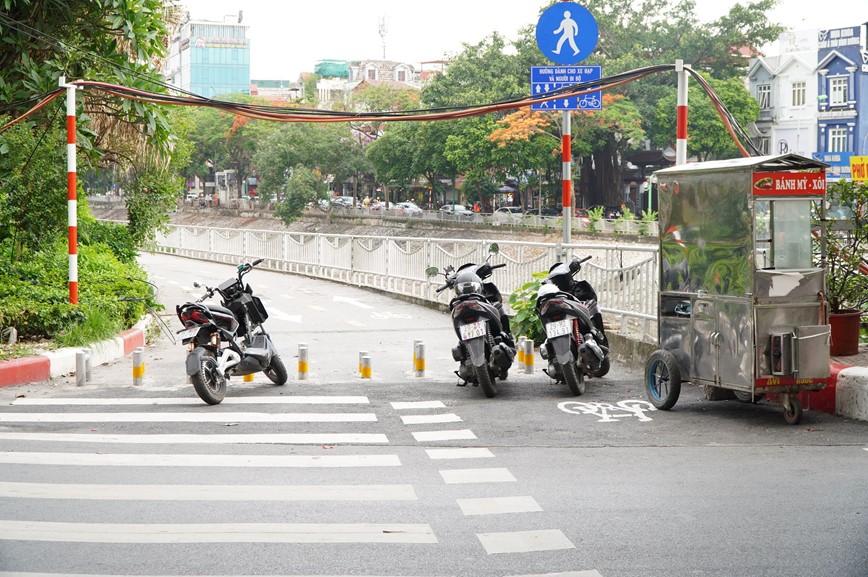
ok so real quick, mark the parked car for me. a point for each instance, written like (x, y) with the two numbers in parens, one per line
(510, 214)
(582, 215)
(342, 201)
(456, 210)
(551, 211)
(408, 208)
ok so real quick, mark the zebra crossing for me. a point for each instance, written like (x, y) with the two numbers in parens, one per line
(80, 452)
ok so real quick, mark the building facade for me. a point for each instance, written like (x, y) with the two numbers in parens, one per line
(210, 58)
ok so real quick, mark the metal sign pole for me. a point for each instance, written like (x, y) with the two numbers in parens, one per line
(681, 115)
(71, 190)
(567, 179)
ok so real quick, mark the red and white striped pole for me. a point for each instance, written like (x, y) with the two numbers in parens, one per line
(681, 115)
(71, 198)
(567, 178)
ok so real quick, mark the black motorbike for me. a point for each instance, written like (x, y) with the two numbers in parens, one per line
(227, 339)
(576, 345)
(486, 348)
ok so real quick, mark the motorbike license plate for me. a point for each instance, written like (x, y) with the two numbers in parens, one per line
(187, 334)
(559, 328)
(472, 331)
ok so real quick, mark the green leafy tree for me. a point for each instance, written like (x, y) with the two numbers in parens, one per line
(303, 187)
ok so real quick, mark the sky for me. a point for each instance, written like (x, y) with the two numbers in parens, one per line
(289, 36)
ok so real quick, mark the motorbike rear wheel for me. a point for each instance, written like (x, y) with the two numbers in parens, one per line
(605, 365)
(276, 371)
(210, 385)
(483, 377)
(574, 378)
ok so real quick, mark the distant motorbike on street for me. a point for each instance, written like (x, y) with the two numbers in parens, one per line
(576, 345)
(486, 348)
(227, 339)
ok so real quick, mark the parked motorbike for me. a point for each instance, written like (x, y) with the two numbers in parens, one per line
(227, 339)
(576, 345)
(486, 348)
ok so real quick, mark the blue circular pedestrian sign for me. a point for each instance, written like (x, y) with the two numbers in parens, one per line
(567, 33)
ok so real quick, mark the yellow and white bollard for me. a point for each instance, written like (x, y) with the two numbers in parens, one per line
(419, 358)
(519, 354)
(248, 378)
(366, 367)
(362, 354)
(302, 362)
(528, 356)
(138, 366)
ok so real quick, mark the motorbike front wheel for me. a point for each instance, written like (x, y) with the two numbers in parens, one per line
(276, 371)
(485, 382)
(574, 378)
(210, 385)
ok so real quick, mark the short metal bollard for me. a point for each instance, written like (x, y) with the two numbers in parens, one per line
(138, 366)
(302, 362)
(362, 354)
(528, 356)
(88, 367)
(248, 378)
(80, 368)
(366, 367)
(419, 358)
(520, 350)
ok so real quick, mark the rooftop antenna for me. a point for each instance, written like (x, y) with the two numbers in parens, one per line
(384, 28)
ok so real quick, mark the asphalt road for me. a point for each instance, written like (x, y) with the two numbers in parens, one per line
(400, 475)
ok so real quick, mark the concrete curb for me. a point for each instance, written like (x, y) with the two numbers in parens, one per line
(54, 364)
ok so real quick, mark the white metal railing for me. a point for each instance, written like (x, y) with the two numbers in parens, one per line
(624, 276)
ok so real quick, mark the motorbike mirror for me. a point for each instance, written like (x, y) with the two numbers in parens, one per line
(196, 284)
(494, 248)
(432, 271)
(575, 265)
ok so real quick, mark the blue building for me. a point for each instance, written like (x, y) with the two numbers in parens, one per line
(842, 98)
(210, 58)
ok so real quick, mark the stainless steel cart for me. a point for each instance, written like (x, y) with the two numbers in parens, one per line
(741, 307)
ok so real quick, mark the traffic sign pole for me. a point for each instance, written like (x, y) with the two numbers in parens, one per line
(681, 115)
(567, 182)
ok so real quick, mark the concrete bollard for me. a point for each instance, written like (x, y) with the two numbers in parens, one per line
(80, 368)
(138, 366)
(520, 350)
(88, 367)
(302, 362)
(528, 356)
(366, 367)
(419, 358)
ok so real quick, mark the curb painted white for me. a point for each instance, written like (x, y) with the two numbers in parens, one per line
(851, 394)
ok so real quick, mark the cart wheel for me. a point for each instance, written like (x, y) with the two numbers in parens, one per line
(662, 379)
(745, 397)
(792, 410)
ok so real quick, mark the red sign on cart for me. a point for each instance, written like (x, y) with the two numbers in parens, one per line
(789, 183)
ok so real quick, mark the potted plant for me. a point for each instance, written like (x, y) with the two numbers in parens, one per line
(846, 266)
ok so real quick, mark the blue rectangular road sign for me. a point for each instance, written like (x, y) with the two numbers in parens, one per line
(548, 78)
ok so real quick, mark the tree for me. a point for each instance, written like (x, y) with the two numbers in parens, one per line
(304, 186)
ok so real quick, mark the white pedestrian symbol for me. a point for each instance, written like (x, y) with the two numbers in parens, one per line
(570, 30)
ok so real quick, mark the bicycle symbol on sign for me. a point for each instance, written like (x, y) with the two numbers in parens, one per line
(608, 412)
(589, 101)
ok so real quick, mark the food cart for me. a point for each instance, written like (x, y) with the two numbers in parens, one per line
(740, 305)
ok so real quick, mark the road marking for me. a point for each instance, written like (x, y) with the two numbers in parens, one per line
(428, 419)
(278, 314)
(401, 406)
(590, 573)
(462, 453)
(208, 492)
(498, 505)
(287, 296)
(491, 475)
(524, 541)
(462, 434)
(287, 400)
(216, 532)
(316, 308)
(194, 439)
(356, 324)
(352, 301)
(187, 417)
(156, 460)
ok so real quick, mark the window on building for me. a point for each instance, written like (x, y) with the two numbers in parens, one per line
(372, 73)
(838, 91)
(799, 91)
(764, 96)
(837, 140)
(402, 76)
(762, 144)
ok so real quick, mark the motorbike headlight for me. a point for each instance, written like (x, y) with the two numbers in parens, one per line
(469, 287)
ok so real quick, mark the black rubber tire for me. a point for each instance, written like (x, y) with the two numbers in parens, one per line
(483, 377)
(662, 379)
(744, 397)
(605, 365)
(574, 378)
(276, 371)
(210, 385)
(793, 413)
